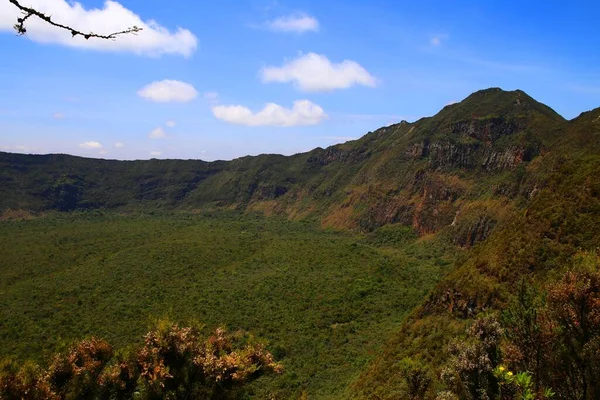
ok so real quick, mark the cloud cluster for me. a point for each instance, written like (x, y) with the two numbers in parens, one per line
(153, 40)
(90, 145)
(315, 73)
(211, 97)
(437, 40)
(303, 112)
(167, 91)
(158, 133)
(298, 23)
(14, 148)
(308, 72)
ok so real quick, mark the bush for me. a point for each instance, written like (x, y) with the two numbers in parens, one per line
(174, 363)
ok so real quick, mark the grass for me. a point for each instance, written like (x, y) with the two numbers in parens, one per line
(326, 301)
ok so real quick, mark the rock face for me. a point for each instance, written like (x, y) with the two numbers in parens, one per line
(454, 302)
(336, 154)
(447, 155)
(436, 207)
(269, 192)
(427, 206)
(473, 144)
(474, 232)
(487, 129)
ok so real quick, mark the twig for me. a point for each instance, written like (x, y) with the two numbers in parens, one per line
(28, 12)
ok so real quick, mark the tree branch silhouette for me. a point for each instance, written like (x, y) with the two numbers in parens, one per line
(29, 12)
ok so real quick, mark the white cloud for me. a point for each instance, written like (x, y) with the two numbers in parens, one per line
(170, 124)
(298, 23)
(211, 97)
(90, 145)
(17, 147)
(158, 133)
(58, 115)
(119, 145)
(436, 40)
(153, 40)
(155, 153)
(168, 91)
(314, 72)
(103, 152)
(303, 112)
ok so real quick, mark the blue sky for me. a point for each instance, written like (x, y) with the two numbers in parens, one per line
(223, 79)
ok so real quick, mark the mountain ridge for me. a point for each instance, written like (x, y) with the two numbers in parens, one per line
(416, 174)
(473, 96)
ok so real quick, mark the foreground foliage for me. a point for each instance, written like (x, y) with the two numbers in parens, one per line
(173, 363)
(553, 344)
(543, 346)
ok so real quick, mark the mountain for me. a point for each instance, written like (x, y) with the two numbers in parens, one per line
(507, 180)
(417, 174)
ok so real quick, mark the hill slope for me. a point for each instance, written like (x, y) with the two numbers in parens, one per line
(552, 228)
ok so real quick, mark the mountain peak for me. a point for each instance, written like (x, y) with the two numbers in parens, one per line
(496, 101)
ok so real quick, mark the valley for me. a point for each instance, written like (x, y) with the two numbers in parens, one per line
(324, 301)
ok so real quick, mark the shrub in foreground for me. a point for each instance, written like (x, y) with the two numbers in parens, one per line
(173, 363)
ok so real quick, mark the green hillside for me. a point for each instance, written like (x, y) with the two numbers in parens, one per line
(359, 263)
(553, 228)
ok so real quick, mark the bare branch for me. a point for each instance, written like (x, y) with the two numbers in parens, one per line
(28, 12)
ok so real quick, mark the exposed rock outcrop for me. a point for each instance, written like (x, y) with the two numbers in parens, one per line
(337, 154)
(470, 234)
(487, 129)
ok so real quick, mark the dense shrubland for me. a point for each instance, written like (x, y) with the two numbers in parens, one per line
(173, 363)
(326, 301)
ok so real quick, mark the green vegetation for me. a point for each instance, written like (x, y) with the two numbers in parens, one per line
(325, 301)
(173, 363)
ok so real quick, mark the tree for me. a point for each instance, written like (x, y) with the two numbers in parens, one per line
(417, 377)
(529, 334)
(470, 371)
(575, 306)
(29, 12)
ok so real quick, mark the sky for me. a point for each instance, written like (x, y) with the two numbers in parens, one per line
(224, 79)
